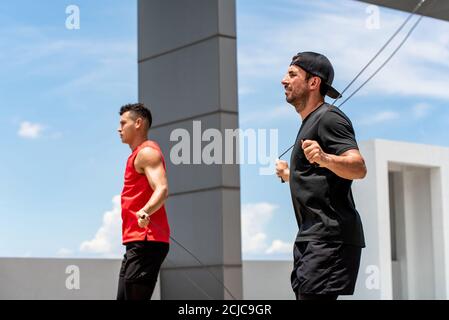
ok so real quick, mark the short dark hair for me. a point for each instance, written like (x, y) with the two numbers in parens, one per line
(138, 109)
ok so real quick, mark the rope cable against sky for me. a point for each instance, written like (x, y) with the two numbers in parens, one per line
(415, 10)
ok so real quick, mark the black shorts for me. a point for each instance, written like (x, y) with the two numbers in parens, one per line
(140, 269)
(325, 268)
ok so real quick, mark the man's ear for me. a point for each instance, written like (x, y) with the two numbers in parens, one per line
(139, 122)
(316, 82)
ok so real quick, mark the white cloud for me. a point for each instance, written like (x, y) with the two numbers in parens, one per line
(255, 219)
(380, 117)
(279, 246)
(421, 110)
(107, 241)
(420, 68)
(418, 111)
(30, 130)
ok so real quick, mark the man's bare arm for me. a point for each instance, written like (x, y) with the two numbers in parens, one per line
(149, 162)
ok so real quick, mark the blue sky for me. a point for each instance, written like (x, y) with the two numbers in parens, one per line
(63, 164)
(57, 185)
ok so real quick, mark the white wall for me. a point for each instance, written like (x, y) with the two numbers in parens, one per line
(426, 216)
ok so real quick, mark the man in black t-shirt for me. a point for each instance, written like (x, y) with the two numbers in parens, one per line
(324, 161)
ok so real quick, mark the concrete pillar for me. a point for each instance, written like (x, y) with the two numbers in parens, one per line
(187, 73)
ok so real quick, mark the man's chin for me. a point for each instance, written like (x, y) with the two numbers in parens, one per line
(290, 100)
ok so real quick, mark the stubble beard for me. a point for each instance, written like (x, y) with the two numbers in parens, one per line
(299, 102)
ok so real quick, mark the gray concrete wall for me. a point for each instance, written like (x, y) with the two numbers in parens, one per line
(188, 72)
(267, 280)
(60, 279)
(96, 279)
(50, 279)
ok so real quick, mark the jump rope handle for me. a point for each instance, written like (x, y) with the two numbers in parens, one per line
(282, 180)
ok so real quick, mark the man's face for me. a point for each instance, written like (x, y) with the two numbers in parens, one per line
(127, 129)
(295, 85)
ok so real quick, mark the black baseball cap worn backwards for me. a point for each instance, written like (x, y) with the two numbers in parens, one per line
(320, 66)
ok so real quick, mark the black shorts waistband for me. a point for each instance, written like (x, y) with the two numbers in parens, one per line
(145, 244)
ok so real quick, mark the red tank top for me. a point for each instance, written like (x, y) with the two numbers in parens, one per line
(136, 193)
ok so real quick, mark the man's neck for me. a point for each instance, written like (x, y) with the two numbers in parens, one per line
(137, 142)
(311, 106)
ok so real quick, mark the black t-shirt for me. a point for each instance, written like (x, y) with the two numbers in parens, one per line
(323, 202)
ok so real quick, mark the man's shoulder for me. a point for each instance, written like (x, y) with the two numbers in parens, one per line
(148, 155)
(334, 115)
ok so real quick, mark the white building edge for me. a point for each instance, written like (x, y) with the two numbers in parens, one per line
(404, 205)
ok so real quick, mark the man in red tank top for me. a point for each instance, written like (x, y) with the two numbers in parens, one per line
(145, 229)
